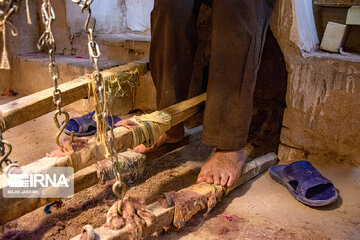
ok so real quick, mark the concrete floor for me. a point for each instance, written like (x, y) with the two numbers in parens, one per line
(32, 140)
(261, 208)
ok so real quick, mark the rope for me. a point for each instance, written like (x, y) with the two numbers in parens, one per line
(150, 128)
(115, 80)
(73, 157)
(100, 125)
(132, 165)
(4, 63)
(28, 13)
(2, 123)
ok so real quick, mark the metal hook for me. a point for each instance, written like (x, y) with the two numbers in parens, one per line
(47, 13)
(62, 128)
(4, 158)
(121, 195)
(84, 4)
(87, 20)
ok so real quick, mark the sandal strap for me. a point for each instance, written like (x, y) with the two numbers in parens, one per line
(306, 175)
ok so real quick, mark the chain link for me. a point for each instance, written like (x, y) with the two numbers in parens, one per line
(47, 41)
(103, 108)
(84, 4)
(4, 154)
(7, 8)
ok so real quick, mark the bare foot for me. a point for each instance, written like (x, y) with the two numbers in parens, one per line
(223, 168)
(173, 135)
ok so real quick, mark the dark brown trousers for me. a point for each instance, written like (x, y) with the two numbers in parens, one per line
(237, 38)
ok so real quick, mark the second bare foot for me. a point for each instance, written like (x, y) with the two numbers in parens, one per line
(223, 168)
(173, 135)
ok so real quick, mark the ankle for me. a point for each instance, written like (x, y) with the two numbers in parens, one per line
(239, 151)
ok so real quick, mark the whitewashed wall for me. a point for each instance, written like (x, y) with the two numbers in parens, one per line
(303, 30)
(112, 16)
(138, 14)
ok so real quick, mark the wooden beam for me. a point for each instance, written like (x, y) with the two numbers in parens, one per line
(163, 217)
(85, 157)
(87, 177)
(182, 110)
(35, 105)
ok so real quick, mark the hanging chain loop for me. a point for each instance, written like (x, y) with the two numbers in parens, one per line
(5, 150)
(84, 4)
(47, 40)
(102, 112)
(7, 8)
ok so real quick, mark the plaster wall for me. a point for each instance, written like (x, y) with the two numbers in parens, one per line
(24, 42)
(307, 37)
(138, 14)
(322, 116)
(112, 16)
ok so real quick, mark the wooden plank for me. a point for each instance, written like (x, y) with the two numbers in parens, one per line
(163, 217)
(86, 157)
(87, 177)
(181, 110)
(35, 105)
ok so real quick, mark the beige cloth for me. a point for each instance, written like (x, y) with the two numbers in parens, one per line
(150, 127)
(194, 199)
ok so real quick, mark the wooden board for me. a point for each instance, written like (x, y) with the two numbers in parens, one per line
(163, 217)
(35, 105)
(87, 177)
(85, 157)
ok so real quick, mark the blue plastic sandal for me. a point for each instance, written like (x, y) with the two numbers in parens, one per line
(305, 183)
(85, 125)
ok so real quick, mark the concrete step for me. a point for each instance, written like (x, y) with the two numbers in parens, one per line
(31, 73)
(127, 46)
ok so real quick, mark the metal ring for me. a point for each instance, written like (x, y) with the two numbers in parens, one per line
(57, 96)
(4, 158)
(121, 195)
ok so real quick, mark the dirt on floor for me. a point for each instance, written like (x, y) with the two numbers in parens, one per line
(266, 211)
(259, 209)
(171, 172)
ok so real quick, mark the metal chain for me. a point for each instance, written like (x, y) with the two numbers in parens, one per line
(47, 40)
(103, 108)
(84, 4)
(4, 154)
(7, 8)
